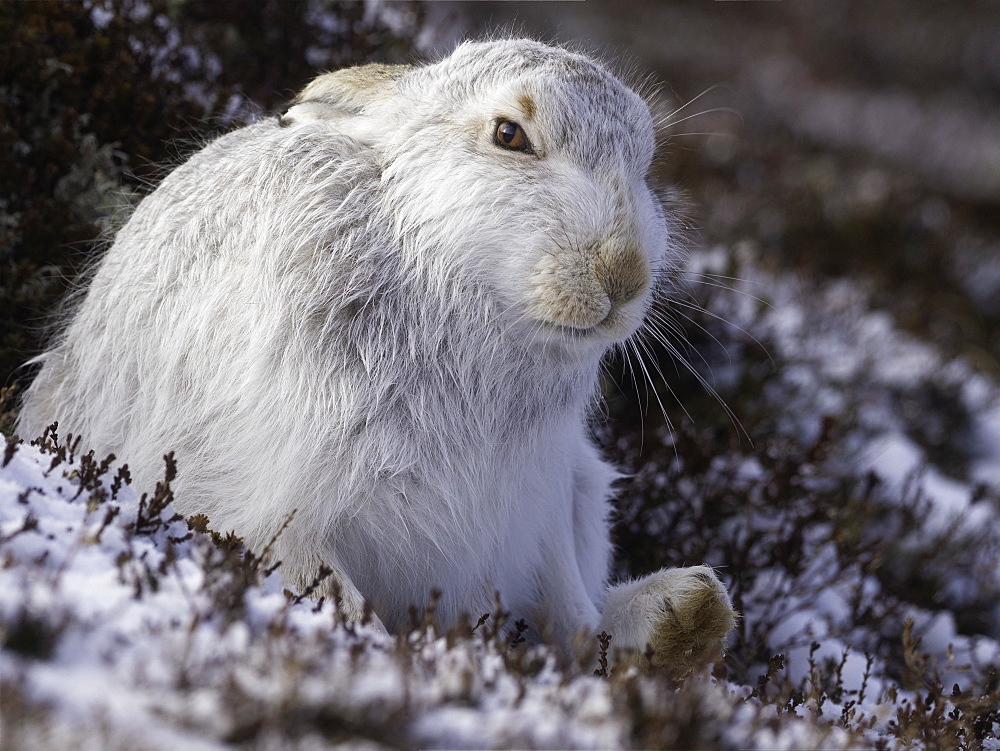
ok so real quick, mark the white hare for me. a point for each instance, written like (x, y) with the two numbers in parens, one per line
(386, 311)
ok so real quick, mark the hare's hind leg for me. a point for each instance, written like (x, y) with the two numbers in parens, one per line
(681, 614)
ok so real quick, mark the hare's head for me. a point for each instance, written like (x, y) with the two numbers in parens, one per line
(520, 164)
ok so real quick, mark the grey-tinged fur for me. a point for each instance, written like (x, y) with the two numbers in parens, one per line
(371, 314)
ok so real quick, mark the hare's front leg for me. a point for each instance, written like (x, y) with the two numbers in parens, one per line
(682, 614)
(576, 555)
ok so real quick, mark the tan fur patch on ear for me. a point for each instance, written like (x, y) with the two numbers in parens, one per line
(351, 87)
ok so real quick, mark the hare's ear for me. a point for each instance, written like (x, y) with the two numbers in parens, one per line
(349, 99)
(352, 89)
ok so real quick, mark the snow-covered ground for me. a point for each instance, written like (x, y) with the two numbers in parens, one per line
(839, 361)
(124, 627)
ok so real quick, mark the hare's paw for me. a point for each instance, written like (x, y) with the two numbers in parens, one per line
(682, 614)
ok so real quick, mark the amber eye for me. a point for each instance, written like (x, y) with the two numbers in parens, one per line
(511, 136)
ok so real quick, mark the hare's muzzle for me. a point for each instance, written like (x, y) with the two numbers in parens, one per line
(588, 287)
(623, 273)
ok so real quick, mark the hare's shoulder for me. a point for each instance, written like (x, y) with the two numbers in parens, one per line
(263, 178)
(268, 159)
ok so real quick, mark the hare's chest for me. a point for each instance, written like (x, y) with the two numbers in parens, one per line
(468, 536)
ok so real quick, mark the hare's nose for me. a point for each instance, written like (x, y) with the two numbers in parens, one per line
(623, 273)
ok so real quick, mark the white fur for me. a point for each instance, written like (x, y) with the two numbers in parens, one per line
(372, 315)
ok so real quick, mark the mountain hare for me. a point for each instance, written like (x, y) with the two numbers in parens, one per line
(385, 310)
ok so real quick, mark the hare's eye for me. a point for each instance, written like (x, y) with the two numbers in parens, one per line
(511, 136)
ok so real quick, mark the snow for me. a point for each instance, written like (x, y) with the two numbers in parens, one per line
(838, 356)
(133, 633)
(141, 647)
(832, 344)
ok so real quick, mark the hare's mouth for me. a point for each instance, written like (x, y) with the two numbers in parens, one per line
(616, 326)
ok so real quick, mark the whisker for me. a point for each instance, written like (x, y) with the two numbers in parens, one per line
(635, 383)
(729, 110)
(679, 333)
(634, 343)
(730, 288)
(708, 387)
(700, 309)
(731, 278)
(704, 133)
(711, 336)
(694, 99)
(623, 348)
(656, 365)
